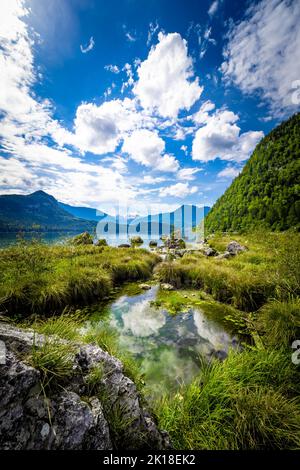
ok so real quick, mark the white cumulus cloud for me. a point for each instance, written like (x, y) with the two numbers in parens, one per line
(221, 137)
(99, 129)
(228, 172)
(166, 82)
(147, 148)
(178, 190)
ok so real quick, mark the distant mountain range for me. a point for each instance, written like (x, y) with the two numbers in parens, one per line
(40, 211)
(86, 213)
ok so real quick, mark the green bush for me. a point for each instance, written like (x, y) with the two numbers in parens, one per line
(101, 242)
(82, 239)
(136, 241)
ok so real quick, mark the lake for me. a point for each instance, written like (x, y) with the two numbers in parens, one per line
(8, 239)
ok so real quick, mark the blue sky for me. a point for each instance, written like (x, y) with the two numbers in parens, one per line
(144, 104)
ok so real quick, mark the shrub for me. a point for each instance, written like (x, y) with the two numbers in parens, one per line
(136, 241)
(82, 239)
(101, 242)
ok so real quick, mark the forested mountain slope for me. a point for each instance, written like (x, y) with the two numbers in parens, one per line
(267, 190)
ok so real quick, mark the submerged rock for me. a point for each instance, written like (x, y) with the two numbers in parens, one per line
(70, 417)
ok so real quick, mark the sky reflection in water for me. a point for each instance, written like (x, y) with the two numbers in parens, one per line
(167, 346)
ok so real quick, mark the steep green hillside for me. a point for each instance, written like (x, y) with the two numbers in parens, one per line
(267, 190)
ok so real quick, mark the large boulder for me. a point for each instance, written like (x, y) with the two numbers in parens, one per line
(174, 243)
(234, 248)
(70, 417)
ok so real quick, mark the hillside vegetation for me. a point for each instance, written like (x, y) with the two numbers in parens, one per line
(267, 192)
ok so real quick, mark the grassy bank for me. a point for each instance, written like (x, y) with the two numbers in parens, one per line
(251, 399)
(269, 269)
(37, 278)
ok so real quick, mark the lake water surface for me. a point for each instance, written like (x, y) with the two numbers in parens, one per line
(9, 239)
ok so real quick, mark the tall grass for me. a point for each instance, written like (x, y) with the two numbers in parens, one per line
(44, 279)
(278, 323)
(245, 402)
(54, 360)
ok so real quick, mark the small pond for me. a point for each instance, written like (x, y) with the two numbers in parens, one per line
(168, 347)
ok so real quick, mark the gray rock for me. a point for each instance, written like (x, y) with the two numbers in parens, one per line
(145, 286)
(70, 417)
(166, 286)
(234, 247)
(210, 252)
(225, 255)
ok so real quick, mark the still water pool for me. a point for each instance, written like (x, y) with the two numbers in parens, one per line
(168, 347)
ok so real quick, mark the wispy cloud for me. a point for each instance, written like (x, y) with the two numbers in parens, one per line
(204, 38)
(263, 53)
(130, 35)
(213, 8)
(88, 47)
(112, 68)
(153, 28)
(229, 172)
